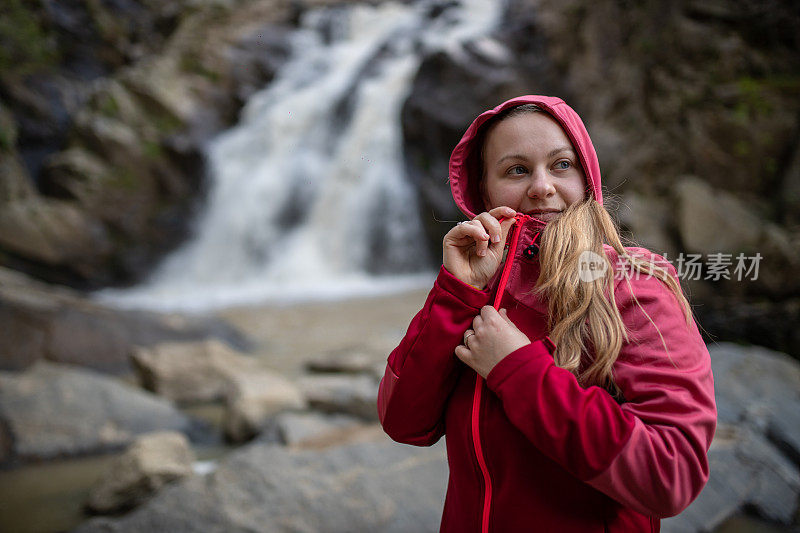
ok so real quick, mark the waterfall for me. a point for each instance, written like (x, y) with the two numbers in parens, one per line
(308, 197)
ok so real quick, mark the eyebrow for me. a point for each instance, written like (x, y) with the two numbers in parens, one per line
(550, 154)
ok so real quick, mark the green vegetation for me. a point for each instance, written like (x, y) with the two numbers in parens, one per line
(191, 63)
(25, 46)
(124, 178)
(153, 150)
(108, 106)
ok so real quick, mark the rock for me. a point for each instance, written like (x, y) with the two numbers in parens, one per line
(713, 221)
(152, 461)
(190, 371)
(346, 361)
(790, 190)
(296, 429)
(53, 411)
(75, 173)
(50, 322)
(15, 182)
(649, 221)
(371, 484)
(746, 471)
(355, 395)
(253, 399)
(754, 456)
(52, 232)
(768, 404)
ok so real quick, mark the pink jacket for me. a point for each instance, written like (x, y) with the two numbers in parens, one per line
(529, 449)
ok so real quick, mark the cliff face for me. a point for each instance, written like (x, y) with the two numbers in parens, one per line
(104, 107)
(693, 106)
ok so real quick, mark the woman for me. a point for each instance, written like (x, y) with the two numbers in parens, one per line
(569, 377)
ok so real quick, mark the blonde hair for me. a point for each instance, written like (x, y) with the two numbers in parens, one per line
(584, 321)
(583, 316)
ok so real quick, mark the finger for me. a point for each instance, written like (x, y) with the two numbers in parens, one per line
(463, 353)
(488, 312)
(502, 212)
(491, 225)
(505, 227)
(468, 231)
(482, 246)
(467, 334)
(477, 322)
(504, 314)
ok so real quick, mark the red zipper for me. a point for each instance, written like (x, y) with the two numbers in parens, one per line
(476, 398)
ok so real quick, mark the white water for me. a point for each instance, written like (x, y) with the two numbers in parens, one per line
(308, 197)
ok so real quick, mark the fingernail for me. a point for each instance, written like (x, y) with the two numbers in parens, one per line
(495, 238)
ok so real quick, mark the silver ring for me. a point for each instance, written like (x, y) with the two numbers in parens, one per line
(462, 222)
(467, 337)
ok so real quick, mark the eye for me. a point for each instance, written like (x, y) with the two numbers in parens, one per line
(517, 170)
(563, 164)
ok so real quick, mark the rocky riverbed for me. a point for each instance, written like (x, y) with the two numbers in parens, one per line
(287, 437)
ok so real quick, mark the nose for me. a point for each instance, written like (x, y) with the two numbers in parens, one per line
(541, 185)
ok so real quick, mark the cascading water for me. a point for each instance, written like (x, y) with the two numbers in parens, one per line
(308, 197)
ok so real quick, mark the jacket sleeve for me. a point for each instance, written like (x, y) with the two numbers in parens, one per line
(648, 453)
(422, 371)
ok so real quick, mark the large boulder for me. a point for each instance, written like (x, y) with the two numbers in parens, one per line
(152, 461)
(756, 449)
(191, 371)
(57, 324)
(52, 411)
(369, 484)
(337, 393)
(310, 428)
(254, 399)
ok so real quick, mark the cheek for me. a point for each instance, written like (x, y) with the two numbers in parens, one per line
(575, 190)
(507, 194)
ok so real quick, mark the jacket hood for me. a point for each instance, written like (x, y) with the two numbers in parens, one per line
(465, 159)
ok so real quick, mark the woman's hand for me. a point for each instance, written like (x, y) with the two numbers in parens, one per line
(473, 250)
(492, 337)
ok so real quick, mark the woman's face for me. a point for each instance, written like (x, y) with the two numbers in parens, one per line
(531, 166)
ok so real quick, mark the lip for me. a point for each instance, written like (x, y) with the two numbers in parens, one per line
(544, 214)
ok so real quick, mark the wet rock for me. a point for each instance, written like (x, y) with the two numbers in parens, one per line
(370, 484)
(56, 411)
(253, 399)
(152, 461)
(355, 395)
(191, 371)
